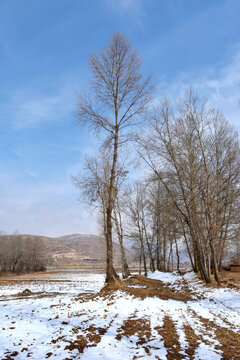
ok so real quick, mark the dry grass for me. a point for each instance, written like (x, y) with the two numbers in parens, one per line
(230, 279)
(134, 326)
(170, 337)
(192, 340)
(87, 334)
(141, 327)
(229, 340)
(92, 336)
(145, 287)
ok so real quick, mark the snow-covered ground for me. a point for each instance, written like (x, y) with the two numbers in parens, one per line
(55, 324)
(63, 282)
(223, 297)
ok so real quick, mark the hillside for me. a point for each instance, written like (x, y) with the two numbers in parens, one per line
(76, 250)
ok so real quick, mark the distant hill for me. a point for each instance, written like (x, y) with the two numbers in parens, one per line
(85, 250)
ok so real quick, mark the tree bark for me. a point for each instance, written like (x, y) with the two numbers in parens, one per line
(125, 268)
(110, 277)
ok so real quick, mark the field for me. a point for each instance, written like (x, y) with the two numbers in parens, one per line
(65, 315)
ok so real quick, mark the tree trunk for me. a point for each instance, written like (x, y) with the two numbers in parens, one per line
(164, 250)
(177, 254)
(125, 269)
(158, 253)
(109, 270)
(152, 266)
(143, 255)
(214, 264)
(140, 262)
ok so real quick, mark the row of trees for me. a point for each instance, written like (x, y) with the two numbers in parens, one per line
(20, 254)
(191, 190)
(193, 194)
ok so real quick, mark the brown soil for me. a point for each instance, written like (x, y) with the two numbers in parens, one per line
(11, 356)
(23, 295)
(192, 340)
(91, 338)
(48, 355)
(170, 338)
(141, 327)
(87, 334)
(229, 340)
(148, 288)
(134, 326)
(230, 279)
(26, 292)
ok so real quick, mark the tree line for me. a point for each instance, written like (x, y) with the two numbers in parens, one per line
(191, 158)
(20, 253)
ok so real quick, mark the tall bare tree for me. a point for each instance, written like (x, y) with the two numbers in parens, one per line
(195, 154)
(118, 100)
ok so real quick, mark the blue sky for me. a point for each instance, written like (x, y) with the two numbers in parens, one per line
(44, 48)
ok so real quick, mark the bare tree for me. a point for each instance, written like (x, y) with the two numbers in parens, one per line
(120, 233)
(195, 155)
(93, 184)
(163, 217)
(119, 99)
(135, 208)
(21, 253)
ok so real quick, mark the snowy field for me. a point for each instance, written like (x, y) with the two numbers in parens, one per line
(52, 321)
(63, 282)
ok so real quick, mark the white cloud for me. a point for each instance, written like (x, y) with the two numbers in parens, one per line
(24, 110)
(221, 85)
(27, 107)
(123, 7)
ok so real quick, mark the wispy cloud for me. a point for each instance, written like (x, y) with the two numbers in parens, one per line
(133, 8)
(221, 85)
(28, 107)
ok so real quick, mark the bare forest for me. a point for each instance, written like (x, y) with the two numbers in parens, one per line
(166, 178)
(188, 193)
(19, 254)
(120, 180)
